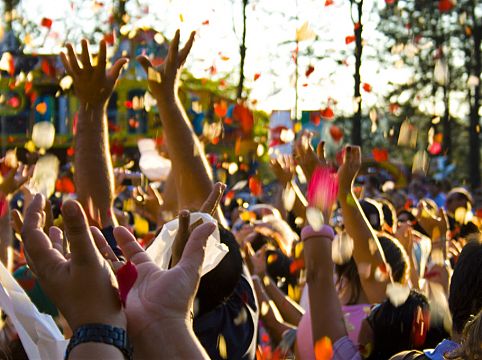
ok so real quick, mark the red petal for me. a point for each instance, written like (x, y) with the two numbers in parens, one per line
(46, 22)
(349, 39)
(126, 277)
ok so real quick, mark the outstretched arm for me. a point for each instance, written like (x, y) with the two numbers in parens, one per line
(189, 164)
(93, 86)
(367, 252)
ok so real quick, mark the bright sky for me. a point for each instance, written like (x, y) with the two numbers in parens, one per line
(268, 27)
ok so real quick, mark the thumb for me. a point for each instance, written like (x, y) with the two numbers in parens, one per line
(78, 233)
(115, 70)
(193, 254)
(145, 62)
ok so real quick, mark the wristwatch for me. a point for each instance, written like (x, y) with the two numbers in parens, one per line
(101, 333)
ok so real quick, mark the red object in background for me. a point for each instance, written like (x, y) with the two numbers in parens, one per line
(65, 185)
(315, 117)
(46, 22)
(256, 76)
(380, 155)
(128, 104)
(435, 148)
(28, 87)
(117, 148)
(255, 186)
(126, 277)
(205, 22)
(389, 2)
(222, 83)
(221, 108)
(133, 123)
(349, 39)
(245, 117)
(327, 113)
(309, 70)
(70, 151)
(357, 26)
(48, 68)
(296, 265)
(109, 38)
(367, 87)
(329, 2)
(13, 102)
(336, 133)
(393, 108)
(445, 5)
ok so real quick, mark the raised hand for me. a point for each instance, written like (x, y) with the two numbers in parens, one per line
(349, 169)
(15, 178)
(163, 80)
(306, 156)
(93, 84)
(283, 168)
(431, 222)
(149, 203)
(83, 286)
(158, 306)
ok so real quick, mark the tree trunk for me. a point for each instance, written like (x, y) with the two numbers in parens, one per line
(356, 135)
(242, 53)
(474, 124)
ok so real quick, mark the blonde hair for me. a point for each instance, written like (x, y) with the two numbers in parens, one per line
(471, 347)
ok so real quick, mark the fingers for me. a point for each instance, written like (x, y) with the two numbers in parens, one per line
(78, 234)
(72, 60)
(67, 66)
(49, 216)
(102, 57)
(171, 63)
(193, 255)
(320, 150)
(116, 69)
(105, 249)
(145, 62)
(131, 249)
(85, 55)
(186, 49)
(38, 247)
(211, 204)
(33, 215)
(17, 221)
(57, 238)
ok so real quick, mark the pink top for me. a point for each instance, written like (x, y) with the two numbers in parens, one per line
(354, 315)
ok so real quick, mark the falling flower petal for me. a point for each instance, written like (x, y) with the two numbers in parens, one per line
(309, 70)
(289, 197)
(342, 248)
(349, 39)
(324, 349)
(397, 293)
(46, 22)
(315, 218)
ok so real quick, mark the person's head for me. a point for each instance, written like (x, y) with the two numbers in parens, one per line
(396, 257)
(373, 212)
(348, 283)
(465, 297)
(218, 284)
(389, 216)
(389, 329)
(471, 341)
(456, 198)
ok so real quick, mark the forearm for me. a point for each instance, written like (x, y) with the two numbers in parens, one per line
(325, 308)
(269, 313)
(290, 310)
(6, 250)
(189, 165)
(360, 230)
(94, 178)
(168, 341)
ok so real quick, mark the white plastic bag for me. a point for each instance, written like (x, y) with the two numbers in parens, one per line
(160, 251)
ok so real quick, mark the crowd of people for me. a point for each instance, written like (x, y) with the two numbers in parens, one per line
(338, 267)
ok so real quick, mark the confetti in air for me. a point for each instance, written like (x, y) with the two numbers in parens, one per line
(126, 277)
(324, 349)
